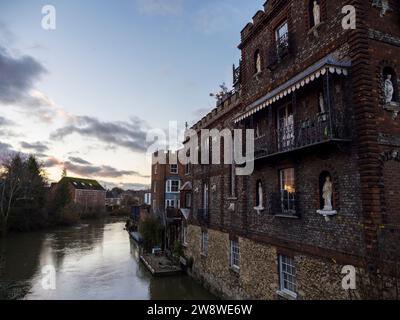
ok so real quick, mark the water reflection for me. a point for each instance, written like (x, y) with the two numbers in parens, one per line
(92, 261)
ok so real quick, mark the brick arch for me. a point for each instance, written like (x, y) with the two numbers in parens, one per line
(379, 76)
(335, 182)
(386, 158)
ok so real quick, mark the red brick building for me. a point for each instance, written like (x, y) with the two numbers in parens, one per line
(86, 193)
(317, 97)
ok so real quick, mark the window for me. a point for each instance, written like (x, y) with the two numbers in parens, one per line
(188, 200)
(204, 242)
(287, 276)
(286, 136)
(155, 186)
(235, 256)
(154, 204)
(187, 169)
(173, 186)
(205, 196)
(170, 203)
(155, 168)
(288, 191)
(174, 168)
(282, 38)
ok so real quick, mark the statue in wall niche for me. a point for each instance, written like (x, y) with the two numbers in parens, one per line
(260, 195)
(389, 89)
(258, 63)
(383, 4)
(327, 193)
(317, 13)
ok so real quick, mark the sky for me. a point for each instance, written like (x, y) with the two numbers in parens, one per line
(85, 95)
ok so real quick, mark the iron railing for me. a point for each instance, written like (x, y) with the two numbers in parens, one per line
(318, 129)
(236, 74)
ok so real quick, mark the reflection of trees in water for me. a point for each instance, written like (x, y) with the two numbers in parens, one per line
(174, 288)
(20, 261)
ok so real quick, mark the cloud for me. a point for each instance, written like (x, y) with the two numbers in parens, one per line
(18, 78)
(215, 18)
(79, 160)
(36, 146)
(130, 135)
(84, 168)
(161, 7)
(4, 122)
(6, 149)
(125, 186)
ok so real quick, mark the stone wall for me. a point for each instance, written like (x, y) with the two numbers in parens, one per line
(258, 278)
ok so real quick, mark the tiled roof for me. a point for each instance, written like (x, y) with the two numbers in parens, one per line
(83, 184)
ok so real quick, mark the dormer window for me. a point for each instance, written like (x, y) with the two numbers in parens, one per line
(257, 62)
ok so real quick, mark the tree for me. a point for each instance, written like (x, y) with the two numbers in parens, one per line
(12, 173)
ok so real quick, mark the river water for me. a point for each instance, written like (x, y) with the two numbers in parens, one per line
(96, 260)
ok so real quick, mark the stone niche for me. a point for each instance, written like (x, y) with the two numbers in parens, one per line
(381, 4)
(326, 196)
(390, 91)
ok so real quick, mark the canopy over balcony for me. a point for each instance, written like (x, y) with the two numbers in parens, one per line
(321, 68)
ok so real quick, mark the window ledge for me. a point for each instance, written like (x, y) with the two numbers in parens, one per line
(288, 295)
(287, 216)
(234, 269)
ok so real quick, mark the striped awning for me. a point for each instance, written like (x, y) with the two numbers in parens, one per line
(328, 64)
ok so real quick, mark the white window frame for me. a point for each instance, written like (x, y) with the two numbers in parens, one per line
(168, 186)
(204, 242)
(174, 169)
(287, 276)
(187, 169)
(234, 254)
(170, 203)
(278, 35)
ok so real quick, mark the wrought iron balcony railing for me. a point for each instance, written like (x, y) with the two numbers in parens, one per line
(203, 216)
(308, 132)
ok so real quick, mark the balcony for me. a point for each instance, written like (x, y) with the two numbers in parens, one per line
(322, 128)
(203, 216)
(284, 203)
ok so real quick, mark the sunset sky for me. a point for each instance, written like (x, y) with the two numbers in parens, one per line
(85, 95)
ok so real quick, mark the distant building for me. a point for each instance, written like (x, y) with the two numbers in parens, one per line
(85, 192)
(147, 198)
(113, 200)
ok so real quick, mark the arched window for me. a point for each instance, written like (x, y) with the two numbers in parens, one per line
(314, 12)
(390, 87)
(259, 195)
(326, 191)
(257, 62)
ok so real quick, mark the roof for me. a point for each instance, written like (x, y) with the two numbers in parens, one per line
(187, 186)
(318, 69)
(83, 184)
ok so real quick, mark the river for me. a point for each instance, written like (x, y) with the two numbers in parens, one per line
(95, 260)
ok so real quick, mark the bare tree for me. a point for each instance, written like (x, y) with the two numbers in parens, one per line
(11, 173)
